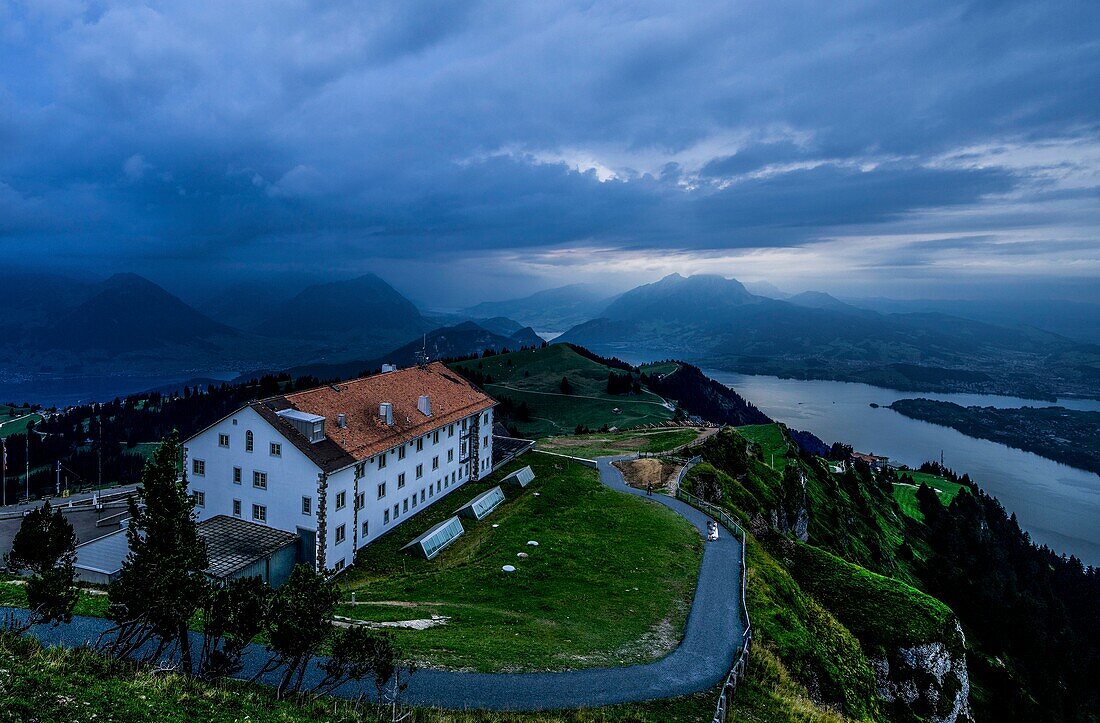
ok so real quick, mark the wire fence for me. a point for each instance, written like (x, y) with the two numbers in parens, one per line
(741, 660)
(698, 441)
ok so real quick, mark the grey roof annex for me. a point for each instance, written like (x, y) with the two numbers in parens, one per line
(232, 544)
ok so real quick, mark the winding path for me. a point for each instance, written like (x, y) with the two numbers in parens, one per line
(712, 636)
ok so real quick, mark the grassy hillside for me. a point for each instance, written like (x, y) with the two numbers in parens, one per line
(14, 420)
(905, 491)
(600, 444)
(610, 582)
(820, 613)
(534, 378)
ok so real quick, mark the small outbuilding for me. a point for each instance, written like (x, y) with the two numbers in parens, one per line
(235, 548)
(99, 561)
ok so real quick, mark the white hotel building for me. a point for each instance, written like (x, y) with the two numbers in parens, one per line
(340, 465)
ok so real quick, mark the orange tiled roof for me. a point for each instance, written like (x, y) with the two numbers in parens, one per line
(452, 399)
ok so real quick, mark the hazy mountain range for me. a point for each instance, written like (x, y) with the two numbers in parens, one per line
(67, 340)
(717, 322)
(551, 310)
(57, 328)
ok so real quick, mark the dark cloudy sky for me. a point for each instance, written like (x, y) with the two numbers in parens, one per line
(469, 150)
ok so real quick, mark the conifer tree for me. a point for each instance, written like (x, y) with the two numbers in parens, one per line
(162, 584)
(45, 546)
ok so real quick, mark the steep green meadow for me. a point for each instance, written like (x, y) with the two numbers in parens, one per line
(533, 377)
(820, 611)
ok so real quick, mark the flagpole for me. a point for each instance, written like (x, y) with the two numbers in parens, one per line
(4, 445)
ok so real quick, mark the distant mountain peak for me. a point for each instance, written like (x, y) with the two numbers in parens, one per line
(364, 310)
(680, 297)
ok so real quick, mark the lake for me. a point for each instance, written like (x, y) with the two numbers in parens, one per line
(67, 391)
(1057, 504)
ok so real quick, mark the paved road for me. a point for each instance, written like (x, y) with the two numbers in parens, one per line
(711, 638)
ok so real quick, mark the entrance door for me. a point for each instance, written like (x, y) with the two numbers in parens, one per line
(307, 547)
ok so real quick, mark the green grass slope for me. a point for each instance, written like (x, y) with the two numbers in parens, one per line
(820, 610)
(534, 377)
(883, 612)
(610, 582)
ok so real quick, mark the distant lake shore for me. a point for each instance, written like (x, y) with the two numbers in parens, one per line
(1058, 504)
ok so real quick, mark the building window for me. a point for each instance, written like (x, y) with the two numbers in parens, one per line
(236, 475)
(485, 441)
(401, 452)
(341, 533)
(365, 529)
(446, 483)
(249, 441)
(341, 500)
(419, 471)
(223, 440)
(307, 505)
(450, 455)
(385, 517)
(361, 500)
(259, 513)
(381, 490)
(400, 480)
(451, 431)
(236, 508)
(463, 425)
(382, 461)
(339, 565)
(438, 486)
(200, 498)
(198, 467)
(435, 462)
(276, 449)
(485, 418)
(405, 505)
(414, 499)
(360, 469)
(259, 480)
(396, 511)
(421, 496)
(435, 437)
(452, 476)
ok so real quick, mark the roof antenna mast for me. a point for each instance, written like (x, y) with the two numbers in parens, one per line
(422, 355)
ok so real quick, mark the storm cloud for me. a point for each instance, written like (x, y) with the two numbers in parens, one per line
(412, 137)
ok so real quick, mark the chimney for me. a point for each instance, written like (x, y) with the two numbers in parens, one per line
(342, 420)
(385, 412)
(425, 405)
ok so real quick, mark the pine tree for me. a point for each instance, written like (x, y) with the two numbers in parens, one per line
(298, 625)
(162, 584)
(45, 546)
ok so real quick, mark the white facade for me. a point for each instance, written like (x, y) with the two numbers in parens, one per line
(342, 510)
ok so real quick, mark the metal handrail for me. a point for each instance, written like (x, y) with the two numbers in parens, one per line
(737, 669)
